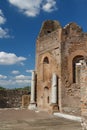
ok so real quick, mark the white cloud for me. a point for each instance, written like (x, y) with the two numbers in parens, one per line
(15, 82)
(22, 77)
(3, 76)
(21, 82)
(49, 6)
(10, 58)
(8, 83)
(29, 71)
(5, 83)
(28, 7)
(33, 7)
(4, 33)
(15, 72)
(2, 18)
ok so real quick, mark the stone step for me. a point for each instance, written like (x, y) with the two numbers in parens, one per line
(66, 116)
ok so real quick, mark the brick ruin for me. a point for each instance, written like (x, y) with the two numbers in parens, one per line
(14, 98)
(61, 55)
(59, 82)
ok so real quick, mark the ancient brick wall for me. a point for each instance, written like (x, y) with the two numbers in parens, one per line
(64, 48)
(74, 48)
(48, 45)
(83, 85)
(25, 101)
(83, 90)
(11, 98)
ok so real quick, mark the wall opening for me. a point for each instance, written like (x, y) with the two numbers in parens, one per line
(46, 60)
(48, 99)
(48, 31)
(46, 69)
(46, 96)
(76, 59)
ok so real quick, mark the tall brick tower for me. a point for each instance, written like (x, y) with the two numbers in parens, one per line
(48, 62)
(59, 52)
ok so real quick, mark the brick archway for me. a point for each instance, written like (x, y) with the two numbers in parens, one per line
(70, 62)
(75, 60)
(46, 97)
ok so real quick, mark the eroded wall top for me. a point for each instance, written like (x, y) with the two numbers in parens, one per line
(48, 27)
(72, 28)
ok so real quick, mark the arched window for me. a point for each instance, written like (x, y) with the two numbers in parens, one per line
(46, 69)
(46, 60)
(75, 60)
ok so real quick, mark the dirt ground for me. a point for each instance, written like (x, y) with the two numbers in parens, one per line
(23, 119)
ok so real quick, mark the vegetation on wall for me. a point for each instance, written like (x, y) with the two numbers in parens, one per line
(2, 88)
(24, 88)
(28, 88)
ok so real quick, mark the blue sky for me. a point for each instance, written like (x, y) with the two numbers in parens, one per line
(20, 23)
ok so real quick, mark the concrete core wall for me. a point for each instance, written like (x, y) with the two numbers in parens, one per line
(74, 49)
(11, 98)
(63, 47)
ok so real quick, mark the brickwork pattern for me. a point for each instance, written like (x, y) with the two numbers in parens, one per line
(64, 47)
(11, 98)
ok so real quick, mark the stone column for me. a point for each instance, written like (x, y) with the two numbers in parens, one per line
(33, 88)
(32, 104)
(54, 89)
(59, 95)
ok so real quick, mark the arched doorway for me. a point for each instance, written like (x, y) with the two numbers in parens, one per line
(76, 59)
(46, 98)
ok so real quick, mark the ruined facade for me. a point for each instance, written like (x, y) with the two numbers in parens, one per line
(12, 98)
(59, 52)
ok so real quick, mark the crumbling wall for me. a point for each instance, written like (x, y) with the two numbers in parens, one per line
(48, 27)
(83, 90)
(83, 84)
(11, 98)
(64, 47)
(25, 101)
(48, 45)
(73, 46)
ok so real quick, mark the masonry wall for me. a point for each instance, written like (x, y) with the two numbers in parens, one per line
(74, 48)
(64, 47)
(83, 85)
(48, 45)
(11, 98)
(44, 71)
